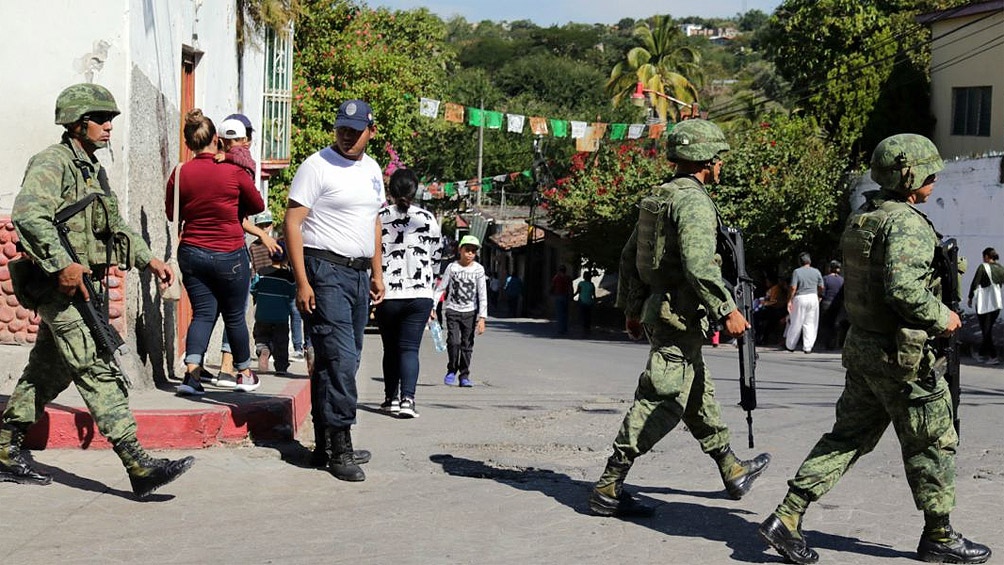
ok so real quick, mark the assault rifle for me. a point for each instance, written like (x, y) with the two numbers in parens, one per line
(730, 247)
(946, 262)
(94, 311)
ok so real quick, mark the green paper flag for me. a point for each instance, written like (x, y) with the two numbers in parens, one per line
(559, 128)
(527, 174)
(617, 131)
(450, 189)
(494, 120)
(486, 184)
(475, 117)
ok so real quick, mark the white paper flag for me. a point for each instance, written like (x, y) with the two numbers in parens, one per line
(428, 107)
(578, 129)
(462, 188)
(516, 123)
(635, 131)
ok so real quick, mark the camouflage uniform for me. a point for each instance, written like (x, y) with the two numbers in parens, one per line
(893, 306)
(65, 350)
(671, 280)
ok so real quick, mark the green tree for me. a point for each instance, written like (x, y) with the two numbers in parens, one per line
(661, 63)
(783, 184)
(597, 203)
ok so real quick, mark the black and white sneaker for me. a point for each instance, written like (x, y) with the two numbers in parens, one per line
(408, 409)
(391, 406)
(190, 386)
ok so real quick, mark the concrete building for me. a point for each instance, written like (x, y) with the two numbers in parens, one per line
(159, 58)
(967, 78)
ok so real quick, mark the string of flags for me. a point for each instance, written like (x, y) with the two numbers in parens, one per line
(432, 190)
(586, 134)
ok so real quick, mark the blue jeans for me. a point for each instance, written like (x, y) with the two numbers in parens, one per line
(216, 283)
(401, 325)
(337, 326)
(296, 328)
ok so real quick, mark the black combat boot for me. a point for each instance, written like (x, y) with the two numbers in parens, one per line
(609, 498)
(791, 545)
(319, 457)
(341, 461)
(940, 543)
(14, 466)
(147, 474)
(738, 475)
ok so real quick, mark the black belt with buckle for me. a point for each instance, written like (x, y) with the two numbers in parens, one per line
(357, 263)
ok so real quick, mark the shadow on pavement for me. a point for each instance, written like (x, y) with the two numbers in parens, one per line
(82, 483)
(736, 528)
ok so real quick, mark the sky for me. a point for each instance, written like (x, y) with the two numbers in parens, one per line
(559, 12)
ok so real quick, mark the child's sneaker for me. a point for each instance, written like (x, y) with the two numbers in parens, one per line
(391, 405)
(248, 382)
(408, 409)
(450, 379)
(190, 386)
(466, 382)
(263, 355)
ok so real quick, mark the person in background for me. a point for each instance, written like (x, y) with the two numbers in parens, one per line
(411, 256)
(333, 237)
(272, 290)
(829, 308)
(561, 293)
(465, 310)
(586, 291)
(212, 257)
(50, 282)
(513, 290)
(803, 305)
(988, 274)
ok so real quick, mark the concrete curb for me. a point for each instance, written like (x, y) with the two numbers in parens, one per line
(274, 417)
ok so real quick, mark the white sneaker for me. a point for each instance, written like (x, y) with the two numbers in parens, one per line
(248, 382)
(407, 409)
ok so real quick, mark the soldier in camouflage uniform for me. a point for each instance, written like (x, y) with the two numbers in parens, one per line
(47, 280)
(892, 377)
(670, 285)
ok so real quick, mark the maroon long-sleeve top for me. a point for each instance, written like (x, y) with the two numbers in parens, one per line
(214, 199)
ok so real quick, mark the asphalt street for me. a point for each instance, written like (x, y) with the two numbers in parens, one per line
(499, 474)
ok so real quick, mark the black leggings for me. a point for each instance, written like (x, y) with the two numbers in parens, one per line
(987, 320)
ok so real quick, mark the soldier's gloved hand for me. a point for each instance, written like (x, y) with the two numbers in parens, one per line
(954, 323)
(735, 323)
(634, 329)
(71, 280)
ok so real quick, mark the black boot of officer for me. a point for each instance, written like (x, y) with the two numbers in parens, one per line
(738, 475)
(14, 466)
(319, 457)
(341, 457)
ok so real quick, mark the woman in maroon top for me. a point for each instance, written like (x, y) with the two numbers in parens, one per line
(214, 200)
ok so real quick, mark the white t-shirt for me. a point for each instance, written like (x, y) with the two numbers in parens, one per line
(464, 287)
(344, 197)
(412, 251)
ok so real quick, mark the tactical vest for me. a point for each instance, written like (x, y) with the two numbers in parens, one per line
(863, 245)
(653, 215)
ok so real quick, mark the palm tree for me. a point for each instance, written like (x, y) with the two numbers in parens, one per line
(661, 63)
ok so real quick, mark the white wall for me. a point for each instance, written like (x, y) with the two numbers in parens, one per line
(967, 204)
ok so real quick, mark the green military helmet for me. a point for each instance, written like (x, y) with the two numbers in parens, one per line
(696, 140)
(900, 163)
(85, 98)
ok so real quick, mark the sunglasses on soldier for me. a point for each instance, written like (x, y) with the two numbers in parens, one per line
(100, 117)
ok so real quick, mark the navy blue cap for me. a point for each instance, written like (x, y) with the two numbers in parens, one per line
(242, 119)
(354, 114)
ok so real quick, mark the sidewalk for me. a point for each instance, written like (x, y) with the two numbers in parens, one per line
(275, 411)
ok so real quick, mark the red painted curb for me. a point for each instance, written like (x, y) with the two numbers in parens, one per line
(271, 418)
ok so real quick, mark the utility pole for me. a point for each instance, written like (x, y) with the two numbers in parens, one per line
(481, 151)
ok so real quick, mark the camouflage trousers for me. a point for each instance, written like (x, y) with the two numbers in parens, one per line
(675, 386)
(875, 395)
(65, 352)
